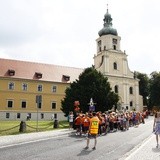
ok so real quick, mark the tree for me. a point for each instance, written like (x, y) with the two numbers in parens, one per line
(155, 89)
(91, 84)
(143, 86)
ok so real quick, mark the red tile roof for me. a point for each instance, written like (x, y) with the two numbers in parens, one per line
(28, 70)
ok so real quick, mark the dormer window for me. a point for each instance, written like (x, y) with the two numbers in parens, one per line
(11, 72)
(38, 75)
(66, 77)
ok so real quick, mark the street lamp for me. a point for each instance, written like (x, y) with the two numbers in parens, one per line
(39, 102)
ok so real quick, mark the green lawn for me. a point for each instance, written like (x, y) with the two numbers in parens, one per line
(12, 127)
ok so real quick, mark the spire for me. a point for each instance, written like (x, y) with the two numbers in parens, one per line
(107, 19)
(107, 26)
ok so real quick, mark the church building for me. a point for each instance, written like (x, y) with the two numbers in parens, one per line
(113, 64)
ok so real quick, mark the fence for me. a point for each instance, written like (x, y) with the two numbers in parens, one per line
(23, 127)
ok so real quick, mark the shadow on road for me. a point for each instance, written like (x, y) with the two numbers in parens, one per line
(84, 152)
(156, 149)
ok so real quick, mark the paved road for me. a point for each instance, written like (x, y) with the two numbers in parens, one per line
(110, 147)
(145, 151)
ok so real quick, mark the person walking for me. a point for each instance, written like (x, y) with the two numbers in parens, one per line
(85, 123)
(93, 130)
(156, 127)
(71, 117)
(78, 124)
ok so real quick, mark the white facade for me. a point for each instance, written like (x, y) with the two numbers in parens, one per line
(113, 64)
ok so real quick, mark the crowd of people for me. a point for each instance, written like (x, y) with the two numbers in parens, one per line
(92, 124)
(108, 121)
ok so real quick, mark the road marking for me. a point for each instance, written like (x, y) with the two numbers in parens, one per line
(134, 151)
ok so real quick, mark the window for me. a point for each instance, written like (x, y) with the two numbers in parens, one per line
(54, 88)
(28, 116)
(115, 65)
(11, 86)
(38, 75)
(131, 103)
(10, 104)
(99, 45)
(11, 72)
(114, 47)
(39, 105)
(55, 116)
(18, 115)
(114, 41)
(131, 90)
(23, 104)
(66, 77)
(24, 87)
(39, 88)
(7, 115)
(116, 89)
(104, 48)
(42, 115)
(53, 105)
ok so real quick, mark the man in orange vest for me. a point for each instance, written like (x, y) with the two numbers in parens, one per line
(93, 130)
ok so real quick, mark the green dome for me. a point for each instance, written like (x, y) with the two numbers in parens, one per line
(107, 15)
(107, 29)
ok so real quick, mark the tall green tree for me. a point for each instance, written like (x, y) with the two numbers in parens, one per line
(155, 89)
(143, 86)
(91, 84)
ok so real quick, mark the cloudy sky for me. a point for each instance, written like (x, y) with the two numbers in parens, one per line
(63, 32)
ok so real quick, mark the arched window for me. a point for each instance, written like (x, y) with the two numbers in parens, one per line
(115, 65)
(99, 45)
(131, 90)
(131, 103)
(116, 89)
(114, 47)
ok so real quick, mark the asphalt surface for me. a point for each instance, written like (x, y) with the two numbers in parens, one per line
(31, 137)
(145, 150)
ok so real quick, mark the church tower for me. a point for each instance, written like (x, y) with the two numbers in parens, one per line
(113, 64)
